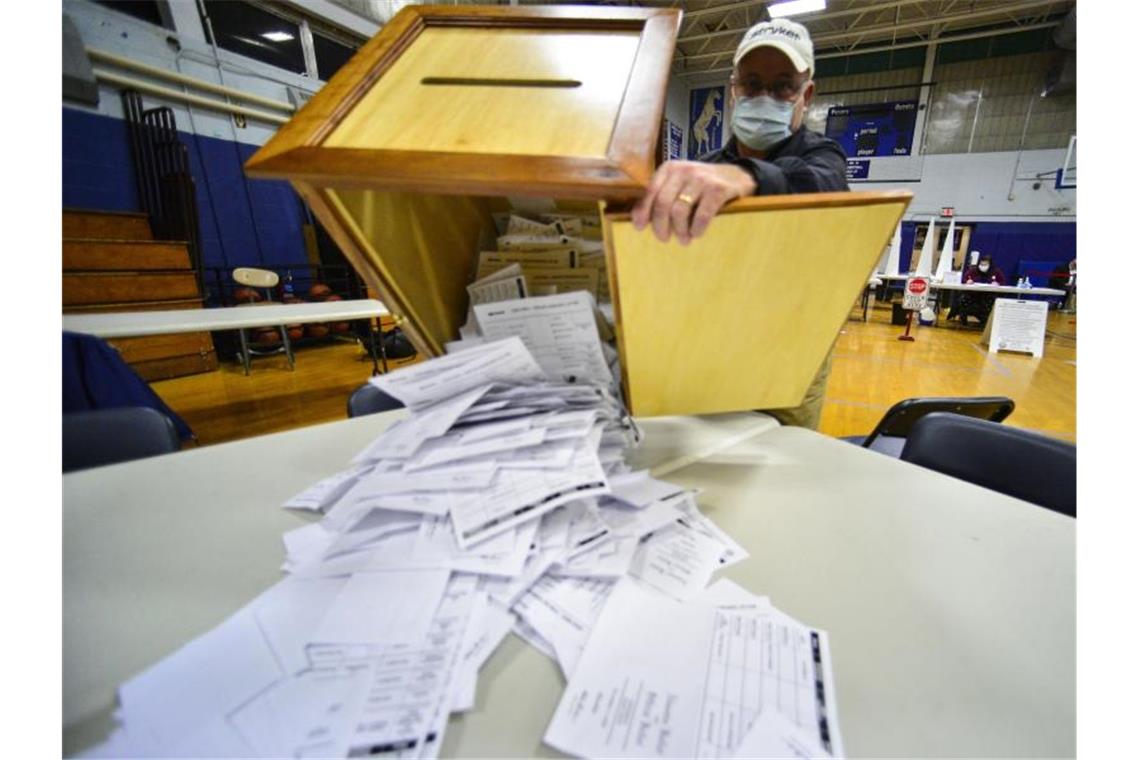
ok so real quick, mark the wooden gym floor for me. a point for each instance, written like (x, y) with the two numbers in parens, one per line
(872, 370)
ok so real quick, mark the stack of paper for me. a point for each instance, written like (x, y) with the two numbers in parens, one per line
(556, 253)
(501, 503)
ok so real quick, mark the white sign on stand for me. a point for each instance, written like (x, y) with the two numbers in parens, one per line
(1018, 326)
(915, 293)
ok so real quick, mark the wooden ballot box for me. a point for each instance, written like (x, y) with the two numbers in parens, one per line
(406, 153)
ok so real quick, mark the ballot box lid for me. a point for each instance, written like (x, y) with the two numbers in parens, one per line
(744, 316)
(543, 101)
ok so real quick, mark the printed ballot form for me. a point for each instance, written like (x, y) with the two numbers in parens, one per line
(560, 331)
(664, 679)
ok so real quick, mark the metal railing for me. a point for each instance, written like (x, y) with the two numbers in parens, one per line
(162, 175)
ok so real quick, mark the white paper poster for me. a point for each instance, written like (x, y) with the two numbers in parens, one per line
(1018, 326)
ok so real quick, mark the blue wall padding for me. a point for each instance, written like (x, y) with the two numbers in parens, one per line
(1008, 242)
(246, 222)
(242, 222)
(97, 168)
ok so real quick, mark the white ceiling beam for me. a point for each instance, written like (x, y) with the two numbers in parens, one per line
(884, 48)
(828, 15)
(838, 37)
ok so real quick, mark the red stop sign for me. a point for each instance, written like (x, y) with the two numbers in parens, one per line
(917, 287)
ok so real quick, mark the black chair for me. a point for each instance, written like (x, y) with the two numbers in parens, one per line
(107, 436)
(368, 399)
(1018, 463)
(890, 434)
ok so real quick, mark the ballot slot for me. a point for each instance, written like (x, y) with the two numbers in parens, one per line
(495, 91)
(501, 82)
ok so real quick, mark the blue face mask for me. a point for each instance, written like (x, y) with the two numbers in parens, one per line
(762, 121)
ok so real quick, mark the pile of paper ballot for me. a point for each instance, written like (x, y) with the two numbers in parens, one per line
(501, 503)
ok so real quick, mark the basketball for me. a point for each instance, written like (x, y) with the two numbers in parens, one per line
(317, 330)
(296, 332)
(341, 327)
(246, 295)
(266, 336)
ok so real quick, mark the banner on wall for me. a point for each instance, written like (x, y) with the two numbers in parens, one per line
(858, 168)
(671, 138)
(676, 139)
(706, 120)
(873, 129)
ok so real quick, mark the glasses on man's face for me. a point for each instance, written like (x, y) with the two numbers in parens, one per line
(781, 89)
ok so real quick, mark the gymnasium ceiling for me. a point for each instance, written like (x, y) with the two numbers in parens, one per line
(711, 29)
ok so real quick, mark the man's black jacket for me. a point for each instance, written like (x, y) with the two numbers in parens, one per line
(805, 162)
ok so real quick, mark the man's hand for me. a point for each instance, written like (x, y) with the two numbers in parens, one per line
(684, 196)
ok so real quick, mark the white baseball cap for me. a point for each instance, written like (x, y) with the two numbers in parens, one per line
(788, 37)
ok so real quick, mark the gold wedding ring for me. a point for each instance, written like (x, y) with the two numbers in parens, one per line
(685, 198)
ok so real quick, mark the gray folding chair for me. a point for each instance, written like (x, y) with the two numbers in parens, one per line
(265, 280)
(107, 436)
(368, 399)
(890, 434)
(1018, 463)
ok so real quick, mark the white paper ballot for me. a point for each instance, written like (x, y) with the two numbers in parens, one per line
(311, 714)
(288, 614)
(432, 419)
(411, 681)
(638, 489)
(519, 225)
(202, 681)
(517, 496)
(323, 493)
(383, 607)
(559, 331)
(562, 611)
(660, 678)
(422, 385)
(678, 561)
(774, 736)
(504, 285)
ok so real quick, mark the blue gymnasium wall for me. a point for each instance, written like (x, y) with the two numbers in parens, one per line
(1009, 243)
(242, 222)
(246, 222)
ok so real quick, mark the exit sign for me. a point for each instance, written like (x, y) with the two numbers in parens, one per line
(947, 211)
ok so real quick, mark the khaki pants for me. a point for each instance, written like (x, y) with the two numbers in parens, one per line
(807, 414)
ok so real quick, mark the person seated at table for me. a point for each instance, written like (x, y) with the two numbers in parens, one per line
(985, 272)
(978, 305)
(1064, 277)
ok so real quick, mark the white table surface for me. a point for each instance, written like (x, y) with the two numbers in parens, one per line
(951, 611)
(1012, 290)
(137, 323)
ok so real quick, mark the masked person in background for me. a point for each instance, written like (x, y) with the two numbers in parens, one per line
(984, 273)
(770, 152)
(978, 305)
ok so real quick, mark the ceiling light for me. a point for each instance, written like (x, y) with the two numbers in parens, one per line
(796, 7)
(277, 36)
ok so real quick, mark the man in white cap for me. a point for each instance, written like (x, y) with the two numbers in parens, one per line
(770, 152)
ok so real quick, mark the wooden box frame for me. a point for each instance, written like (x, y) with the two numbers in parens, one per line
(744, 316)
(297, 152)
(412, 222)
